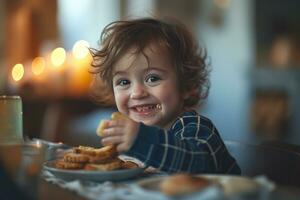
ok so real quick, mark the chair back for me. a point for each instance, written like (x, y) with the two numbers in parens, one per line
(280, 165)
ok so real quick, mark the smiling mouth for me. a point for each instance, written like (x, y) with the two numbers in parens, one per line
(147, 108)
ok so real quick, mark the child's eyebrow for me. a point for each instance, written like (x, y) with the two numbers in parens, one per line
(155, 68)
(120, 73)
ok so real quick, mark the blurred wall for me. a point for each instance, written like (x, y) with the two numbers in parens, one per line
(84, 20)
(230, 45)
(140, 8)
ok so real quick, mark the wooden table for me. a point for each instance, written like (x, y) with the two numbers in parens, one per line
(279, 165)
(49, 191)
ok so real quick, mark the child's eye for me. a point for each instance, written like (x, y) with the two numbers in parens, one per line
(123, 82)
(152, 78)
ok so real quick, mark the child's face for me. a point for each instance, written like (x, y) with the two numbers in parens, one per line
(147, 92)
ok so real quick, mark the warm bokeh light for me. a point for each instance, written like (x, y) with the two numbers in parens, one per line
(38, 65)
(58, 56)
(80, 49)
(17, 72)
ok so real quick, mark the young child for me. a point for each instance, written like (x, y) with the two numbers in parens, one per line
(157, 75)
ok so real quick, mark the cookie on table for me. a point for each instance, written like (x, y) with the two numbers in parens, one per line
(129, 165)
(100, 160)
(75, 158)
(113, 165)
(61, 164)
(102, 153)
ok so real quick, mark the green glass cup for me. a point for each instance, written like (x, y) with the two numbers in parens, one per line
(11, 119)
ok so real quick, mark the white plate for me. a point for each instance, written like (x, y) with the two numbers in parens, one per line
(98, 176)
(229, 184)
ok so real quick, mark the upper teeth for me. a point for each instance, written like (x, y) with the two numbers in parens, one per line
(145, 108)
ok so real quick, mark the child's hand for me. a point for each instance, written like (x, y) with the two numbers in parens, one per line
(120, 131)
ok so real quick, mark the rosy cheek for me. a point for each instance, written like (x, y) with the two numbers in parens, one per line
(166, 96)
(121, 99)
(171, 99)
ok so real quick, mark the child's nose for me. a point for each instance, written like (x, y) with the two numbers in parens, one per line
(138, 91)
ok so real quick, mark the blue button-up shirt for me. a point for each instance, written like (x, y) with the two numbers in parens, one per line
(191, 145)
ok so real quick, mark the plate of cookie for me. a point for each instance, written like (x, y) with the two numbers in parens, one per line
(94, 164)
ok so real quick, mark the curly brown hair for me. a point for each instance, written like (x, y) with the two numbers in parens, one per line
(189, 61)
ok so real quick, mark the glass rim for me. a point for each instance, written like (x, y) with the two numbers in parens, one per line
(24, 144)
(10, 97)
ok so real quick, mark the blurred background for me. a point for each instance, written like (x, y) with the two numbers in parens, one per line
(253, 47)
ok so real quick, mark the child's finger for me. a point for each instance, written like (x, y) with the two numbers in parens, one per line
(113, 131)
(112, 140)
(122, 147)
(113, 123)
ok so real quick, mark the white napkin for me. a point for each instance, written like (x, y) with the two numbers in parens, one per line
(129, 191)
(124, 191)
(91, 190)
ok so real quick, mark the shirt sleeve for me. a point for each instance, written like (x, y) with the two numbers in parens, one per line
(189, 146)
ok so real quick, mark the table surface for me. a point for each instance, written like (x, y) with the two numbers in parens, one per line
(51, 191)
(48, 190)
(262, 153)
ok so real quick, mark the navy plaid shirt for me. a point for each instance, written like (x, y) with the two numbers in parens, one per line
(192, 145)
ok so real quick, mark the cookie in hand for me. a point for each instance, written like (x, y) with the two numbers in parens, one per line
(102, 124)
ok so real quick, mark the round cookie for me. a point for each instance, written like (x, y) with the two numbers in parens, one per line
(181, 184)
(61, 164)
(75, 158)
(97, 154)
(129, 165)
(114, 164)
